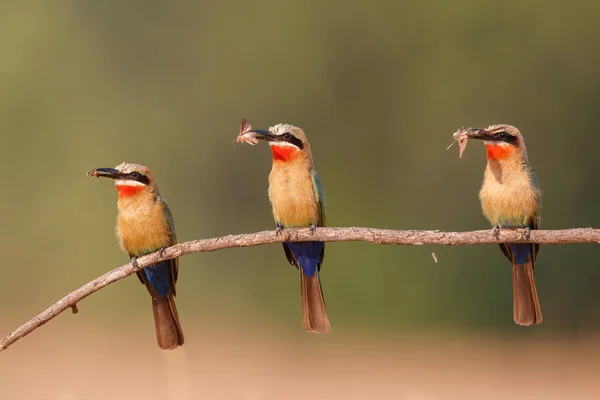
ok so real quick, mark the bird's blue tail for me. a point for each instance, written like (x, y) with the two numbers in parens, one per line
(157, 279)
(307, 256)
(526, 305)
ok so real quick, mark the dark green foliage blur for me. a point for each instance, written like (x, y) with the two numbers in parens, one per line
(379, 87)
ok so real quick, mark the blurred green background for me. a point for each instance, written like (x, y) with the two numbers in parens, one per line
(379, 87)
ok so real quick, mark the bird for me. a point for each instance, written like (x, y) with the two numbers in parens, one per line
(297, 200)
(145, 225)
(510, 198)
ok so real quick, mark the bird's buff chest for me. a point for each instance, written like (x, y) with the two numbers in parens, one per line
(141, 226)
(508, 197)
(292, 196)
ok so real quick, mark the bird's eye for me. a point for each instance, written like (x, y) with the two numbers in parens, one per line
(287, 135)
(503, 134)
(135, 174)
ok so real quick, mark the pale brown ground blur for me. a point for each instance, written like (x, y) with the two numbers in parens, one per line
(66, 360)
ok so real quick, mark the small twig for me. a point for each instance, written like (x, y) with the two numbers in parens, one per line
(377, 236)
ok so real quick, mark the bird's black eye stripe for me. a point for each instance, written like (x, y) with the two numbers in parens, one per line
(136, 176)
(506, 137)
(288, 137)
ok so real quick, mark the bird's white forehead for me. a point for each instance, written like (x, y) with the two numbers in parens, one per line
(126, 167)
(280, 129)
(508, 128)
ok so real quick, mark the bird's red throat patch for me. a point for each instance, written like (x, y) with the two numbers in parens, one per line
(128, 190)
(498, 152)
(283, 153)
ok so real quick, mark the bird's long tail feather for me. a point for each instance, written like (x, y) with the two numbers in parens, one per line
(314, 313)
(166, 320)
(526, 304)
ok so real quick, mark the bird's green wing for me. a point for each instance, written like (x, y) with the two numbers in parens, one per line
(321, 206)
(535, 223)
(320, 197)
(175, 261)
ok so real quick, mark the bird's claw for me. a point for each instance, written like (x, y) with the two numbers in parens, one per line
(135, 264)
(161, 252)
(527, 233)
(496, 232)
(312, 229)
(278, 230)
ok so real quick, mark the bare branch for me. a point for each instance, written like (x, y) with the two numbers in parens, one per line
(377, 236)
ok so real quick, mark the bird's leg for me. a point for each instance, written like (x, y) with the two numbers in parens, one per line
(135, 264)
(279, 229)
(496, 232)
(161, 252)
(312, 228)
(527, 233)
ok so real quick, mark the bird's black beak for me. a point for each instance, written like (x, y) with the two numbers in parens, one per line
(264, 135)
(478, 133)
(106, 173)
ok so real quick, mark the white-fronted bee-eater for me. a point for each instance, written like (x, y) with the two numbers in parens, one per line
(145, 225)
(510, 198)
(297, 201)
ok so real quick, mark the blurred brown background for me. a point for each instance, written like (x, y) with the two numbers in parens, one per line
(379, 87)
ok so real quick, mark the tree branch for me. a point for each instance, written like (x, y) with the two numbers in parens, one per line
(377, 236)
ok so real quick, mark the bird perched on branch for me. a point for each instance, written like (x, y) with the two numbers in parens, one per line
(297, 200)
(145, 225)
(510, 198)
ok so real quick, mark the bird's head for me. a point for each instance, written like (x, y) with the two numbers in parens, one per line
(501, 141)
(287, 141)
(130, 179)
